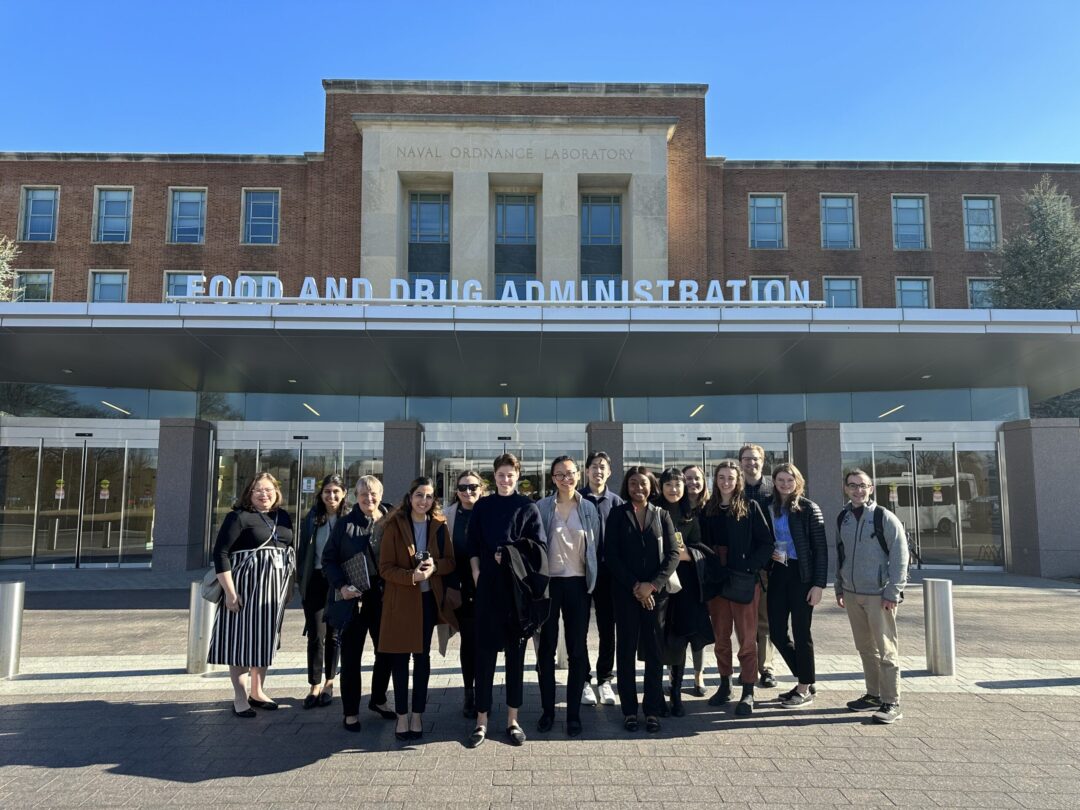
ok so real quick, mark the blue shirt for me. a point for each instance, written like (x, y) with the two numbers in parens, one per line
(782, 531)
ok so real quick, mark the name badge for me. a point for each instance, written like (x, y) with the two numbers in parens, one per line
(279, 563)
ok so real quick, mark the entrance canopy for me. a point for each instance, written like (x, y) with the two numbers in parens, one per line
(488, 350)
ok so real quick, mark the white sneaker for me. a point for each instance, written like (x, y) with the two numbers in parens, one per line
(607, 694)
(588, 697)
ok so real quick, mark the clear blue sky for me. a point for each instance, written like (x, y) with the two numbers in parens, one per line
(866, 80)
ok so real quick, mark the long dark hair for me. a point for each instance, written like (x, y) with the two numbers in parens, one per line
(739, 508)
(332, 480)
(654, 486)
(405, 507)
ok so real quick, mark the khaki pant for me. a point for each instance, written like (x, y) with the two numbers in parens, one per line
(764, 648)
(874, 631)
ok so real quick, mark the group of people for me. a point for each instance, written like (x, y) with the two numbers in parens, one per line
(669, 565)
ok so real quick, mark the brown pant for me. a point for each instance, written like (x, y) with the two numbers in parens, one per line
(743, 619)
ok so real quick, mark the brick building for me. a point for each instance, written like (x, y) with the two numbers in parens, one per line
(152, 286)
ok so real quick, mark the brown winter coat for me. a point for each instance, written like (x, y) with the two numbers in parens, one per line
(401, 630)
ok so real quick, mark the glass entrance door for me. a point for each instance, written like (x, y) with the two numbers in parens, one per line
(60, 492)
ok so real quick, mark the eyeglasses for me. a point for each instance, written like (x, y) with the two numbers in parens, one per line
(751, 458)
(467, 487)
(859, 486)
(264, 492)
(563, 476)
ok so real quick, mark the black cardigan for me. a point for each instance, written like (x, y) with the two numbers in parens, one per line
(635, 556)
(808, 532)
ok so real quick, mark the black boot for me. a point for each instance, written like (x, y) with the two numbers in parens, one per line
(468, 707)
(746, 702)
(677, 709)
(723, 693)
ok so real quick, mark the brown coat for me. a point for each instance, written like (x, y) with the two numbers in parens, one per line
(402, 627)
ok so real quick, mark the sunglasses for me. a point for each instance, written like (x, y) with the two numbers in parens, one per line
(467, 487)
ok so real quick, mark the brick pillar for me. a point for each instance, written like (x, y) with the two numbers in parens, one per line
(607, 436)
(1040, 475)
(816, 452)
(403, 448)
(182, 498)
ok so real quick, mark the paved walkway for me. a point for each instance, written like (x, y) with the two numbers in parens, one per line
(103, 714)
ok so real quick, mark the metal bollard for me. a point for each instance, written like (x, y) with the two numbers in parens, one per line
(12, 596)
(201, 616)
(938, 623)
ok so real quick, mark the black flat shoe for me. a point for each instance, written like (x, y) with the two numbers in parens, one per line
(415, 735)
(311, 701)
(630, 722)
(265, 705)
(403, 736)
(477, 737)
(545, 722)
(652, 724)
(515, 734)
(698, 691)
(246, 713)
(385, 714)
(677, 710)
(351, 726)
(573, 728)
(326, 698)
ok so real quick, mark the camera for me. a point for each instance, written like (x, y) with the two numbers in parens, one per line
(422, 556)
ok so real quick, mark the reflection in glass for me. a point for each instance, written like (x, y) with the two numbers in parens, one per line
(894, 487)
(137, 544)
(58, 517)
(18, 482)
(939, 542)
(103, 499)
(284, 465)
(235, 468)
(980, 508)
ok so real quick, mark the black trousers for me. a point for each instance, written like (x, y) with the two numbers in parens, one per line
(466, 616)
(322, 639)
(487, 654)
(604, 610)
(570, 598)
(362, 626)
(421, 665)
(787, 600)
(637, 633)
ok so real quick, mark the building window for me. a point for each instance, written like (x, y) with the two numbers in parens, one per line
(766, 221)
(760, 291)
(187, 216)
(265, 286)
(176, 284)
(429, 236)
(981, 293)
(837, 222)
(980, 223)
(40, 206)
(113, 215)
(909, 223)
(108, 287)
(601, 237)
(841, 292)
(261, 212)
(33, 285)
(515, 240)
(913, 293)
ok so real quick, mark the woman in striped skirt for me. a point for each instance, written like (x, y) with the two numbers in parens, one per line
(254, 560)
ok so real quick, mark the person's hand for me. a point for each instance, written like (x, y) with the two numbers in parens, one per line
(427, 568)
(422, 571)
(649, 602)
(776, 556)
(232, 602)
(498, 556)
(840, 599)
(886, 605)
(349, 592)
(643, 590)
(814, 596)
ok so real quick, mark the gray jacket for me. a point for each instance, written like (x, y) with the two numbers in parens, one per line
(590, 522)
(862, 567)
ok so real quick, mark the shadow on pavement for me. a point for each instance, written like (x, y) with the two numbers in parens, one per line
(1029, 683)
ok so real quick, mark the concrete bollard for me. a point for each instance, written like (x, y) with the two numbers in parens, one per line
(938, 623)
(201, 616)
(12, 597)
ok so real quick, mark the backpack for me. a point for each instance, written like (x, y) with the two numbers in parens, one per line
(878, 534)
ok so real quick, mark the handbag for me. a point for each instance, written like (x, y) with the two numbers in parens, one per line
(739, 587)
(211, 589)
(674, 584)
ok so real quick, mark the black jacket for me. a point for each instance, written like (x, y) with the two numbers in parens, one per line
(634, 555)
(305, 551)
(353, 534)
(749, 541)
(525, 563)
(808, 533)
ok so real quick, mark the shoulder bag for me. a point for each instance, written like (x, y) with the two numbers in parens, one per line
(674, 584)
(211, 589)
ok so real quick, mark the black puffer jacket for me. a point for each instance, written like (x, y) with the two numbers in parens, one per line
(808, 533)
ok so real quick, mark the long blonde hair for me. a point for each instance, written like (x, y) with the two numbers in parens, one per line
(778, 501)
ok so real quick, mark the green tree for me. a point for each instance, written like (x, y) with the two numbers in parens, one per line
(1038, 266)
(8, 252)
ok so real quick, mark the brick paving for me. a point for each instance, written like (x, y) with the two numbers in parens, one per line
(103, 715)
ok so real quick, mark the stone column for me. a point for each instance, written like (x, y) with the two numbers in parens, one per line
(1041, 482)
(470, 227)
(403, 458)
(816, 452)
(182, 498)
(560, 239)
(607, 436)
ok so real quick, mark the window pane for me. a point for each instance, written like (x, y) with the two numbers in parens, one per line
(33, 287)
(188, 216)
(39, 212)
(913, 292)
(838, 222)
(980, 224)
(766, 222)
(841, 292)
(601, 219)
(261, 209)
(110, 288)
(114, 215)
(909, 223)
(980, 293)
